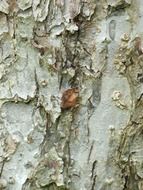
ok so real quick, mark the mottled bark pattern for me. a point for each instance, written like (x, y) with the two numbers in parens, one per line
(92, 139)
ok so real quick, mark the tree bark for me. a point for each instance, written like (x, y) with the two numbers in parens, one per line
(71, 101)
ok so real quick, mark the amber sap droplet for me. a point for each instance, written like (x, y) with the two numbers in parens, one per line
(69, 98)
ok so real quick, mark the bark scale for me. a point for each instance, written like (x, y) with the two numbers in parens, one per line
(47, 47)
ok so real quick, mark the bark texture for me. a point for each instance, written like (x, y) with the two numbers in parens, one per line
(92, 139)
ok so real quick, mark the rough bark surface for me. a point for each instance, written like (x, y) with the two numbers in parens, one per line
(90, 46)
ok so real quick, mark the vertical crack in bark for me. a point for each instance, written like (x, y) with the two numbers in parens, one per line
(2, 166)
(93, 168)
(93, 175)
(67, 161)
(93, 183)
(37, 86)
(90, 151)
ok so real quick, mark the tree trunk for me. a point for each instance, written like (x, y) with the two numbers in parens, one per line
(71, 91)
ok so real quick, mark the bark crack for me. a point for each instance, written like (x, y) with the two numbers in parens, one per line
(90, 151)
(93, 174)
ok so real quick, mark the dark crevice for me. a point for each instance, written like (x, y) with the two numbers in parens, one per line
(93, 183)
(93, 169)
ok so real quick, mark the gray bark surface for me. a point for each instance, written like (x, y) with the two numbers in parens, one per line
(48, 47)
